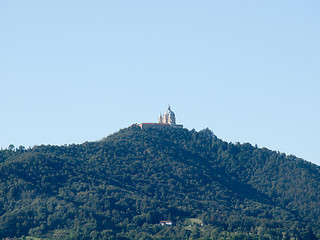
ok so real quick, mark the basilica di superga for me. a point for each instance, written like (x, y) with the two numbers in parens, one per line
(168, 119)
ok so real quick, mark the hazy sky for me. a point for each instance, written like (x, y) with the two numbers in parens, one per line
(74, 71)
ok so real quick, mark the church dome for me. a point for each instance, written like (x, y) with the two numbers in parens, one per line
(169, 116)
(169, 112)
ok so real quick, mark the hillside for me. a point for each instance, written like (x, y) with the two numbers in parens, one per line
(122, 187)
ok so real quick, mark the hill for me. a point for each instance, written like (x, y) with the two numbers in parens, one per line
(122, 187)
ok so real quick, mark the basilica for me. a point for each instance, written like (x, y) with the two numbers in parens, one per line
(168, 119)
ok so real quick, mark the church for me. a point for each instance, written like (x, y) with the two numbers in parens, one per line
(168, 119)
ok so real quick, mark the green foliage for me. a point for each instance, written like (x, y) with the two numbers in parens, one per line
(122, 186)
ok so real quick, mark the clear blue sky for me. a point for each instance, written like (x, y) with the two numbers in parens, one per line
(74, 71)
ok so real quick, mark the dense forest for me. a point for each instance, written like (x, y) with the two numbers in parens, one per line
(124, 185)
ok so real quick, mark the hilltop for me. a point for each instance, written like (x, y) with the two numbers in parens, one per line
(122, 187)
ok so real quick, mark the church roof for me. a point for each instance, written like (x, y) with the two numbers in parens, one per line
(169, 111)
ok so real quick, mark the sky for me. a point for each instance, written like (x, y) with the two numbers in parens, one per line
(75, 71)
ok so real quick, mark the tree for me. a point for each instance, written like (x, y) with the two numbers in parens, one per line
(11, 147)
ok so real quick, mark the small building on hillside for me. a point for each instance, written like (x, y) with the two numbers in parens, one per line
(168, 222)
(168, 119)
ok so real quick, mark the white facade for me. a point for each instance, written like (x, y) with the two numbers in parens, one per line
(168, 117)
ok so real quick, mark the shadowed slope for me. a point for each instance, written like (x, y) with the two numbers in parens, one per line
(125, 184)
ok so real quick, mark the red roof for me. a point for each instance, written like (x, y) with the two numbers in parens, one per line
(155, 124)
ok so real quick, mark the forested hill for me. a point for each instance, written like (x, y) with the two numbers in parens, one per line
(122, 187)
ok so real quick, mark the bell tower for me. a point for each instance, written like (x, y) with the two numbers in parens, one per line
(160, 118)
